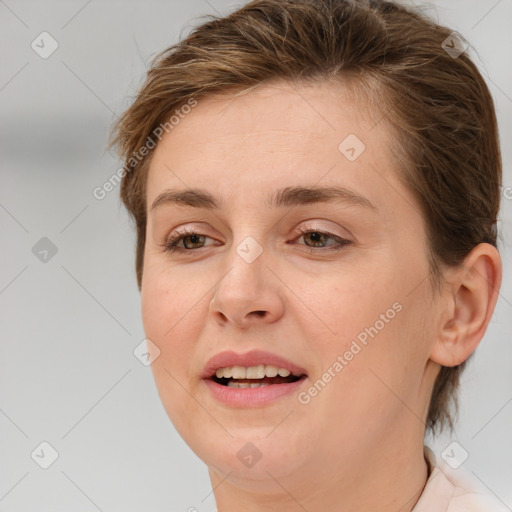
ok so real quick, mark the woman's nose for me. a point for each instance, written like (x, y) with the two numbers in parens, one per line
(249, 293)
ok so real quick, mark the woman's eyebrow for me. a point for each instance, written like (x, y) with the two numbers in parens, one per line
(285, 197)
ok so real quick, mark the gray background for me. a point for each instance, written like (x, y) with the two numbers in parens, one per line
(69, 326)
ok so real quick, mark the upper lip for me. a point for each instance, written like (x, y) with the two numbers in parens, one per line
(251, 358)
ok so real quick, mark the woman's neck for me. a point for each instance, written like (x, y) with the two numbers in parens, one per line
(390, 480)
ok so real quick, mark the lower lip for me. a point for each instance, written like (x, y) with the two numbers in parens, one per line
(252, 397)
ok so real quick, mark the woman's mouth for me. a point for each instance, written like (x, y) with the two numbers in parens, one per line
(254, 385)
(253, 376)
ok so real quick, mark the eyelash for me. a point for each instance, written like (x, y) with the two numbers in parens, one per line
(171, 244)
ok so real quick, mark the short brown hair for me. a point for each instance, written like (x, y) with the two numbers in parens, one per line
(438, 105)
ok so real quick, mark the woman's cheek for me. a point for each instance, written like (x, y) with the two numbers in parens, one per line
(161, 301)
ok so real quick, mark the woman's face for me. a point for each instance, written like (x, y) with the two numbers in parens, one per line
(350, 312)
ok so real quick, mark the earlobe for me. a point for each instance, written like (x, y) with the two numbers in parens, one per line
(472, 296)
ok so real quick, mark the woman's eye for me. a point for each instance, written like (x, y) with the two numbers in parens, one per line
(318, 239)
(190, 241)
(315, 241)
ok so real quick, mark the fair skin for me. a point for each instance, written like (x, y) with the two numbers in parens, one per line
(358, 444)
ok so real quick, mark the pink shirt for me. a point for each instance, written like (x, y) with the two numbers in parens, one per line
(447, 491)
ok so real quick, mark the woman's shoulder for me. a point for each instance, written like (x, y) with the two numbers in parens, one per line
(448, 491)
(453, 495)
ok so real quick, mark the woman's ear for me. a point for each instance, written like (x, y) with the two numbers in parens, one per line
(473, 290)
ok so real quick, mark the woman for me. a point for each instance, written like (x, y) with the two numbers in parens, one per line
(315, 187)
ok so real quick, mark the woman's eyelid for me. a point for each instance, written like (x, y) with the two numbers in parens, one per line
(320, 225)
(324, 227)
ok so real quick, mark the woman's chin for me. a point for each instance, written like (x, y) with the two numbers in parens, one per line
(253, 460)
(258, 476)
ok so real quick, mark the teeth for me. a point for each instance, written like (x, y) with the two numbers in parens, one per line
(238, 372)
(271, 371)
(255, 372)
(252, 372)
(234, 384)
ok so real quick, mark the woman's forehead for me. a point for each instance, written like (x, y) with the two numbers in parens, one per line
(255, 143)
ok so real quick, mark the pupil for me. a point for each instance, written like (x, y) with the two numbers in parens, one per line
(316, 237)
(194, 239)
